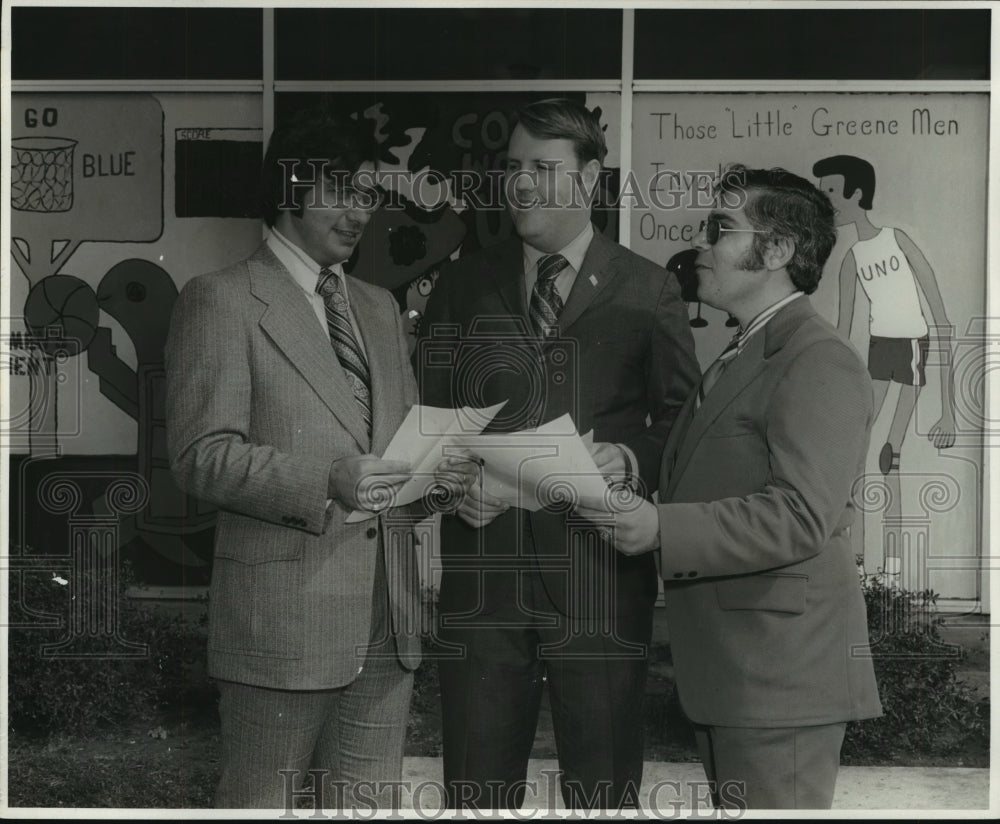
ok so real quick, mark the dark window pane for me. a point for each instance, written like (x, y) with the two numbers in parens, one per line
(140, 43)
(217, 178)
(855, 44)
(452, 44)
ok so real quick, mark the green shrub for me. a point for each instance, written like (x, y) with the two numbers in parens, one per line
(927, 709)
(93, 688)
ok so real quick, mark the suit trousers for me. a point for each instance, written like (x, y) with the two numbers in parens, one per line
(491, 696)
(271, 738)
(784, 768)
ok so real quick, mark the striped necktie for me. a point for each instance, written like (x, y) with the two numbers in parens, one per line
(345, 342)
(717, 367)
(546, 303)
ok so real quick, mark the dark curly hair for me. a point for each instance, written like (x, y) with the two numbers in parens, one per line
(311, 141)
(784, 205)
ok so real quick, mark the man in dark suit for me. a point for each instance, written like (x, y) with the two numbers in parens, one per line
(764, 608)
(558, 320)
(285, 377)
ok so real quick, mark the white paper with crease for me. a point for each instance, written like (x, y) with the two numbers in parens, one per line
(426, 435)
(547, 466)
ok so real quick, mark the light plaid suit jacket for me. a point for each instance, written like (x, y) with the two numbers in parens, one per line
(258, 407)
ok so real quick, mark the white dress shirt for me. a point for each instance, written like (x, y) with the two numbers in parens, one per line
(761, 320)
(305, 272)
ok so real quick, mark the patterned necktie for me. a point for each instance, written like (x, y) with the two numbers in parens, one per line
(546, 303)
(345, 342)
(717, 367)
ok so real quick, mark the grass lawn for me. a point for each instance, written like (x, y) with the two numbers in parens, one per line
(128, 767)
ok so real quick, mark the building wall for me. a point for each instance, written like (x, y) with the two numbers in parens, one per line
(131, 170)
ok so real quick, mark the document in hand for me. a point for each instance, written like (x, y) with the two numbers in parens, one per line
(547, 466)
(425, 436)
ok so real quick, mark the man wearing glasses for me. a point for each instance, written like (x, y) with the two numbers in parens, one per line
(285, 378)
(765, 613)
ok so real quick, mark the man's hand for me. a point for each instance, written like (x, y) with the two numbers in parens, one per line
(636, 531)
(479, 508)
(453, 477)
(366, 482)
(609, 459)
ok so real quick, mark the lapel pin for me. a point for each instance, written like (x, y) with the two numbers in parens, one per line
(593, 280)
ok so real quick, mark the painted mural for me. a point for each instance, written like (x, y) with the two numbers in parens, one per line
(118, 199)
(906, 282)
(896, 279)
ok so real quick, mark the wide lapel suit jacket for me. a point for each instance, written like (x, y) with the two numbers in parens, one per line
(765, 612)
(624, 354)
(258, 408)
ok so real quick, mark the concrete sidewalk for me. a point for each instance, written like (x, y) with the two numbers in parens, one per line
(669, 788)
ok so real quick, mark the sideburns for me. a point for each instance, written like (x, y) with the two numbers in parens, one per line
(753, 258)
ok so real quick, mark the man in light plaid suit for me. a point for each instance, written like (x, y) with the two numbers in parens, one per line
(286, 378)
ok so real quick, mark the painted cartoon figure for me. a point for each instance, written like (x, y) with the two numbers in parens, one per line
(893, 273)
(140, 296)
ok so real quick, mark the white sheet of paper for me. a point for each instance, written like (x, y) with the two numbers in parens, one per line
(426, 435)
(550, 465)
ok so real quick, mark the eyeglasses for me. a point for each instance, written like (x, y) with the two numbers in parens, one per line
(712, 228)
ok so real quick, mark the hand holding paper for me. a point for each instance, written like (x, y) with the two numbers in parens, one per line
(609, 459)
(365, 482)
(454, 477)
(548, 466)
(635, 526)
(479, 507)
(427, 436)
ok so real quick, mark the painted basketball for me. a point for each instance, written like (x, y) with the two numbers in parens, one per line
(61, 311)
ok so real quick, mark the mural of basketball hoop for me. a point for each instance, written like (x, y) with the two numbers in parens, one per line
(89, 168)
(84, 168)
(41, 174)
